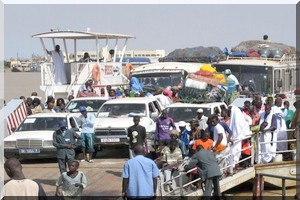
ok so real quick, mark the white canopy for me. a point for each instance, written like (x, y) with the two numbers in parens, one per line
(80, 35)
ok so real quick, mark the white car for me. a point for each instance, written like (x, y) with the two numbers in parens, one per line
(115, 116)
(188, 111)
(92, 104)
(34, 137)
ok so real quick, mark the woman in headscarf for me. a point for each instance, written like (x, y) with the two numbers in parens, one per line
(135, 85)
(87, 90)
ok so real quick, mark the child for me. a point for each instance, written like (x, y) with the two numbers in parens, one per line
(72, 182)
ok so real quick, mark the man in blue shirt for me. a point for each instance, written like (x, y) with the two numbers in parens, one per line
(139, 176)
(86, 121)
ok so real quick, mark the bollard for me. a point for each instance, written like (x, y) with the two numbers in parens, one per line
(258, 187)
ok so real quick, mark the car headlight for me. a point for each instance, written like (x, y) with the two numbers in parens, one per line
(9, 144)
(48, 143)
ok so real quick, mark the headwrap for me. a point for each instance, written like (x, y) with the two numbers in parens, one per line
(135, 85)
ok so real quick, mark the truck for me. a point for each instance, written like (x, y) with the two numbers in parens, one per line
(187, 111)
(115, 116)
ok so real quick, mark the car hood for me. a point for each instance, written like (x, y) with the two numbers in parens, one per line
(121, 122)
(44, 135)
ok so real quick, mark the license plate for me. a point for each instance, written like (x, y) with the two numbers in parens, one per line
(110, 140)
(24, 151)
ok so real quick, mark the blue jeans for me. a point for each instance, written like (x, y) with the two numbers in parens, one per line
(87, 142)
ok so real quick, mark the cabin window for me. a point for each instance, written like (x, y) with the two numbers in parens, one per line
(277, 80)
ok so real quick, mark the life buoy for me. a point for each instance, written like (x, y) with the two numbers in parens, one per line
(128, 69)
(96, 73)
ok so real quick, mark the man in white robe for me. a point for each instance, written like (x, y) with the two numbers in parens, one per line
(281, 125)
(240, 129)
(59, 72)
(267, 122)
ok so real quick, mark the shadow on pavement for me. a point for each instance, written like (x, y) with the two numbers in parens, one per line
(38, 161)
(113, 153)
(118, 174)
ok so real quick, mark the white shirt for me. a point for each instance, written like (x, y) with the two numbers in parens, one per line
(232, 77)
(202, 122)
(218, 129)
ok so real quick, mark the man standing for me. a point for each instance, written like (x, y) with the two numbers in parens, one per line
(137, 135)
(19, 185)
(281, 125)
(163, 125)
(139, 176)
(267, 125)
(60, 77)
(201, 119)
(64, 141)
(207, 162)
(220, 140)
(86, 121)
(232, 78)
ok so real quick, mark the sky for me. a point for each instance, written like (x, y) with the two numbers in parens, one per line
(155, 26)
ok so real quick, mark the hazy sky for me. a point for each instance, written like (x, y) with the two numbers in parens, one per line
(157, 26)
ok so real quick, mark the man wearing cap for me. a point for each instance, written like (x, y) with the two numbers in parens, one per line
(184, 134)
(201, 119)
(231, 77)
(64, 141)
(86, 121)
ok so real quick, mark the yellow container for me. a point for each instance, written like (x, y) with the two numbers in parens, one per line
(208, 67)
(220, 77)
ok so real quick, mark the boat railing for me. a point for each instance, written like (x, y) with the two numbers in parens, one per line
(228, 156)
(79, 74)
(260, 181)
(284, 58)
(47, 74)
(47, 78)
(277, 152)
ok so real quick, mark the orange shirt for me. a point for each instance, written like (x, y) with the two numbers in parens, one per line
(208, 144)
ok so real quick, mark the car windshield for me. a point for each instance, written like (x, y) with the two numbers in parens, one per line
(91, 105)
(122, 110)
(185, 114)
(40, 124)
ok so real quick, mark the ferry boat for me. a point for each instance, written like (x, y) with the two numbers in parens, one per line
(109, 70)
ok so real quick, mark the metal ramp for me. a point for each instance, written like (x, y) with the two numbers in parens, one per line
(225, 184)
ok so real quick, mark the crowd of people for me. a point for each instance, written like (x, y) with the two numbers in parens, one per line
(209, 137)
(224, 133)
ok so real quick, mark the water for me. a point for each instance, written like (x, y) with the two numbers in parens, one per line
(18, 84)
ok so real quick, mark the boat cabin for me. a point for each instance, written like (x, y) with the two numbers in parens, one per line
(104, 69)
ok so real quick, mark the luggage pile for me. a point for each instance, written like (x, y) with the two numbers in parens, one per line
(258, 48)
(195, 54)
(206, 85)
